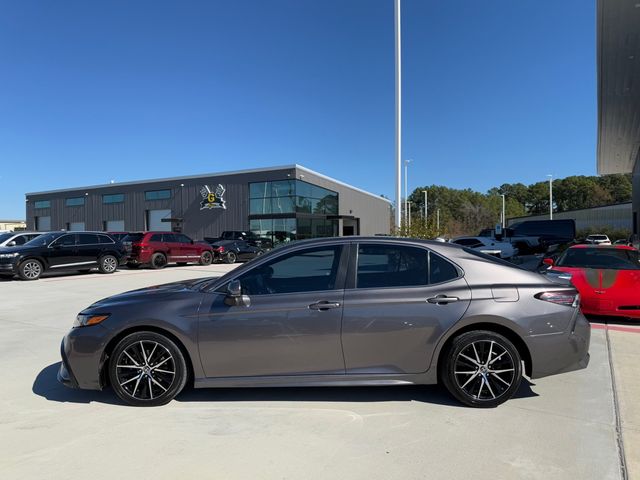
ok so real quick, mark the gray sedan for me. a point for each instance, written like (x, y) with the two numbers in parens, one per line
(337, 311)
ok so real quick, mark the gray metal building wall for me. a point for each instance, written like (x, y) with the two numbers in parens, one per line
(612, 216)
(185, 202)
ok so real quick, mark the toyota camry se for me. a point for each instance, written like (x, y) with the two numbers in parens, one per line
(336, 311)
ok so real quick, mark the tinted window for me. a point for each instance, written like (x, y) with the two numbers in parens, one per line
(157, 237)
(440, 270)
(5, 236)
(66, 240)
(73, 202)
(157, 194)
(113, 198)
(133, 237)
(87, 239)
(610, 258)
(45, 239)
(559, 228)
(311, 270)
(105, 239)
(20, 240)
(42, 204)
(169, 237)
(182, 238)
(468, 242)
(391, 266)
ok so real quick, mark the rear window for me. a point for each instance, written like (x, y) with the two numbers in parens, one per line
(5, 236)
(133, 237)
(610, 258)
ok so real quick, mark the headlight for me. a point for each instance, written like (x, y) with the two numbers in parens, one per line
(9, 255)
(87, 319)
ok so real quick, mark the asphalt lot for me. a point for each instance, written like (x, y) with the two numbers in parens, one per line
(558, 427)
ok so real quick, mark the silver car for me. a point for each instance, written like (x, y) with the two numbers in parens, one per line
(336, 311)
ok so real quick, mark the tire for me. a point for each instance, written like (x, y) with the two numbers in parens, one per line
(158, 260)
(30, 269)
(147, 384)
(133, 266)
(206, 258)
(469, 384)
(107, 264)
(230, 257)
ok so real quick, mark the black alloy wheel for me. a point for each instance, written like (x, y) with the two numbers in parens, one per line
(230, 257)
(482, 369)
(30, 269)
(147, 369)
(206, 258)
(158, 260)
(108, 264)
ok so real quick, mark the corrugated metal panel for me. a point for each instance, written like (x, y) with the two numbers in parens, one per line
(610, 216)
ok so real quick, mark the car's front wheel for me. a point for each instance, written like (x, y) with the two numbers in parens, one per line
(30, 270)
(482, 369)
(147, 369)
(206, 258)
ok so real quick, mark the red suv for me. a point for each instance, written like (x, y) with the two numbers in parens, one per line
(156, 249)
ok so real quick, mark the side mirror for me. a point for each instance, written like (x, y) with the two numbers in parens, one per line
(548, 261)
(12, 243)
(234, 297)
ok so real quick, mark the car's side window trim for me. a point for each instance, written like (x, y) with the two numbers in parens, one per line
(344, 250)
(351, 282)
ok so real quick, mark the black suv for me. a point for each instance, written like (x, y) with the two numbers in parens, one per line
(80, 251)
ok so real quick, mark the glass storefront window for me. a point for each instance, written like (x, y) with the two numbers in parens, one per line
(283, 205)
(260, 190)
(290, 196)
(283, 188)
(259, 206)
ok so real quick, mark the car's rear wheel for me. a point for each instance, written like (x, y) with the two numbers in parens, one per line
(158, 260)
(482, 369)
(206, 258)
(107, 264)
(147, 369)
(230, 257)
(30, 270)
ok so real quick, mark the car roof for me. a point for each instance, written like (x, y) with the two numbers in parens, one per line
(603, 247)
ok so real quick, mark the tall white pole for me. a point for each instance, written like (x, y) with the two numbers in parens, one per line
(409, 216)
(550, 197)
(406, 192)
(398, 114)
(504, 220)
(426, 205)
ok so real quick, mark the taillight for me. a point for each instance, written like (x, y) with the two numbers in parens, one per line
(569, 298)
(220, 249)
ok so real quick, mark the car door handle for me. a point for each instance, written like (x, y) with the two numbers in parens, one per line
(324, 305)
(442, 299)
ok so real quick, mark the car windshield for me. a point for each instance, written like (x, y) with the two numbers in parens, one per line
(610, 258)
(45, 239)
(5, 236)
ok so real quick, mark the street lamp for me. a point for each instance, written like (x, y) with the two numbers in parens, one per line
(406, 190)
(426, 207)
(550, 197)
(398, 52)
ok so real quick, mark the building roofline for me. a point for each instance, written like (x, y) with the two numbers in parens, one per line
(204, 175)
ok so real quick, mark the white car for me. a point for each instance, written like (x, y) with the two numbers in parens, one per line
(598, 240)
(12, 239)
(487, 245)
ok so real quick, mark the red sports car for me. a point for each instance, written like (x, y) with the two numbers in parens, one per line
(607, 277)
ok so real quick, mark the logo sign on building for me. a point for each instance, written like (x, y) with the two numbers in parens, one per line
(212, 199)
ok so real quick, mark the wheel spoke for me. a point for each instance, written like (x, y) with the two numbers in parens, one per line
(162, 362)
(502, 371)
(462, 373)
(497, 358)
(158, 384)
(481, 385)
(476, 353)
(469, 380)
(144, 355)
(133, 394)
(470, 359)
(486, 380)
(165, 371)
(138, 367)
(131, 380)
(150, 388)
(131, 358)
(153, 350)
(490, 351)
(496, 376)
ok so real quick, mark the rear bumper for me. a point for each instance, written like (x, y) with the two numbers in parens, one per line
(561, 352)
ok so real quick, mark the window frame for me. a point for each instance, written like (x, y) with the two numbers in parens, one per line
(80, 204)
(147, 192)
(341, 274)
(351, 283)
(106, 196)
(36, 202)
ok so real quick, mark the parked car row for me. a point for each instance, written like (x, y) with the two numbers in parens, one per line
(30, 254)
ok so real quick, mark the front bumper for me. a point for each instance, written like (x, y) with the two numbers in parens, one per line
(82, 353)
(562, 352)
(7, 267)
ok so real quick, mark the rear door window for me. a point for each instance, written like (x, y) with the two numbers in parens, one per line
(169, 238)
(156, 237)
(87, 239)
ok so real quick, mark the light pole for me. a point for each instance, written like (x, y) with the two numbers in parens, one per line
(406, 190)
(426, 207)
(409, 215)
(550, 197)
(503, 219)
(398, 113)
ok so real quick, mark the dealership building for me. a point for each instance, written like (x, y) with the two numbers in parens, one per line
(282, 203)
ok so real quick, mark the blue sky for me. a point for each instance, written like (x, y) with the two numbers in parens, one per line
(494, 91)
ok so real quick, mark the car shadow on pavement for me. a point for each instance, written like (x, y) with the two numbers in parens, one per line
(46, 385)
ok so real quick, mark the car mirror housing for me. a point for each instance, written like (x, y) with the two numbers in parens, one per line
(11, 243)
(548, 261)
(234, 297)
